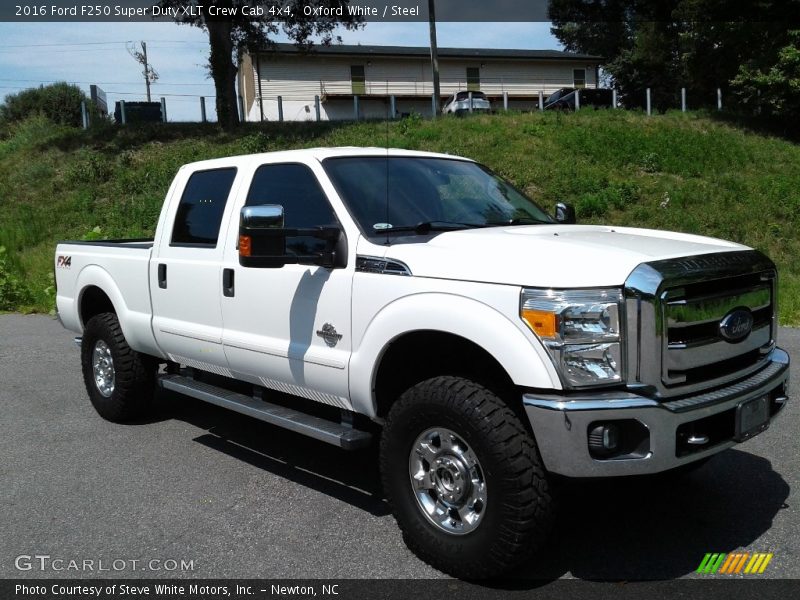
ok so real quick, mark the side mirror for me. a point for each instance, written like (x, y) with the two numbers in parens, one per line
(565, 214)
(262, 239)
(265, 216)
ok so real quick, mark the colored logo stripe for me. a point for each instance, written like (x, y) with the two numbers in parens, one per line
(734, 562)
(710, 563)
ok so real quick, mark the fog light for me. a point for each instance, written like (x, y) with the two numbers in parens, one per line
(604, 439)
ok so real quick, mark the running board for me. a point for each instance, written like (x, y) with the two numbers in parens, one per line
(338, 434)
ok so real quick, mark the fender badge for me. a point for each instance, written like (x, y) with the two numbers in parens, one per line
(329, 334)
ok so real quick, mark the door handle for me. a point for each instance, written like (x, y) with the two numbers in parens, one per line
(162, 276)
(228, 283)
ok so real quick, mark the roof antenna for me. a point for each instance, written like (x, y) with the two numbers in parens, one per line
(388, 116)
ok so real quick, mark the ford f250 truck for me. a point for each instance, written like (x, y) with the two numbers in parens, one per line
(348, 294)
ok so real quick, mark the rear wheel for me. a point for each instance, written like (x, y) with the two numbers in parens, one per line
(464, 478)
(120, 381)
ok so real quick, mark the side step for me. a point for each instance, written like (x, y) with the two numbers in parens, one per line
(338, 434)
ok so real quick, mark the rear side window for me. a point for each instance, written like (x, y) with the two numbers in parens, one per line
(200, 211)
(305, 205)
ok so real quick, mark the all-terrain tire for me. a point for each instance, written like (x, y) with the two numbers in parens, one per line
(517, 514)
(127, 394)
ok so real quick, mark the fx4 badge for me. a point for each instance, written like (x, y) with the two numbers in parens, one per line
(64, 262)
(329, 334)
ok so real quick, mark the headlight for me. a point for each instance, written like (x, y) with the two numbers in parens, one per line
(581, 331)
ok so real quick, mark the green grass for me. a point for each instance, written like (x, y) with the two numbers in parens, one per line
(684, 172)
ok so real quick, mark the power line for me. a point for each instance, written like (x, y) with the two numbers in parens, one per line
(114, 92)
(94, 44)
(54, 45)
(101, 82)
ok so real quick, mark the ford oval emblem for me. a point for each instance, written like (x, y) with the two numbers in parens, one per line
(736, 325)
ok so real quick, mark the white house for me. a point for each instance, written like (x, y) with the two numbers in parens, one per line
(334, 81)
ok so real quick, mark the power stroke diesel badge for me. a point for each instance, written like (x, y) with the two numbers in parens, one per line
(329, 334)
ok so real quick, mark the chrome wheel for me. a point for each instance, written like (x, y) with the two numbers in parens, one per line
(103, 368)
(447, 481)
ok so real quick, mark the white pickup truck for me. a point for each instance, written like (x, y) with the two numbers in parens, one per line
(353, 293)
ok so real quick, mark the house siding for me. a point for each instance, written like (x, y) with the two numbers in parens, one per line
(298, 78)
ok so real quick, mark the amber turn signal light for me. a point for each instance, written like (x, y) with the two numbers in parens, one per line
(541, 322)
(245, 245)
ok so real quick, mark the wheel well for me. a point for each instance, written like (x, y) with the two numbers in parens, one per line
(420, 355)
(94, 301)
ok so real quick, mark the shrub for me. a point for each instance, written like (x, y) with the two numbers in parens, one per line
(13, 292)
(256, 143)
(651, 162)
(59, 102)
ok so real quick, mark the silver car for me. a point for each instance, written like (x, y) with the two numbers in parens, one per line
(458, 103)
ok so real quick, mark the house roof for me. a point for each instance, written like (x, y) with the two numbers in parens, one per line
(476, 53)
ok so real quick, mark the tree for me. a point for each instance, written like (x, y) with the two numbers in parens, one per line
(235, 34)
(773, 87)
(59, 102)
(669, 44)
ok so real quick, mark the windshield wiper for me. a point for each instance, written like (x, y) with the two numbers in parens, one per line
(428, 226)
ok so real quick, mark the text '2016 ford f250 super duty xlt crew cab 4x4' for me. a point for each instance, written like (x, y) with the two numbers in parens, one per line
(346, 293)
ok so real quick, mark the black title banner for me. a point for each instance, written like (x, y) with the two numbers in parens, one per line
(396, 11)
(275, 10)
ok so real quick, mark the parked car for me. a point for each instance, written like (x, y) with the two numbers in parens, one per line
(458, 104)
(564, 99)
(353, 293)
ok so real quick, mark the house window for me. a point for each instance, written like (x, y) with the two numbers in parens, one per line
(579, 78)
(358, 80)
(473, 79)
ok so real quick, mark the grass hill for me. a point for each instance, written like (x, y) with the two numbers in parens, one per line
(685, 172)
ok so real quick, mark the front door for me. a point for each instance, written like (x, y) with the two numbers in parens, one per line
(288, 328)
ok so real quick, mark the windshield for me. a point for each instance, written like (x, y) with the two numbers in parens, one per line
(399, 193)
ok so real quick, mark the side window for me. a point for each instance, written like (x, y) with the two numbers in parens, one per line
(579, 78)
(295, 187)
(199, 214)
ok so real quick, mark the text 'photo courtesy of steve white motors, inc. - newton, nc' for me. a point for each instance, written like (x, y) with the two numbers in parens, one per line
(167, 590)
(255, 10)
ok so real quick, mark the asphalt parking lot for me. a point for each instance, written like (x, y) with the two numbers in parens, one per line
(243, 499)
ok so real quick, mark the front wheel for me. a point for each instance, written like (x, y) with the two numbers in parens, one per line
(120, 381)
(464, 478)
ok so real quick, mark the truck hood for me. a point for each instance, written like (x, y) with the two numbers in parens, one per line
(560, 256)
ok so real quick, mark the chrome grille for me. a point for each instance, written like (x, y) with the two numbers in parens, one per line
(674, 310)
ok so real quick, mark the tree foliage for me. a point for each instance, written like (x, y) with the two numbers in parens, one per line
(772, 89)
(700, 45)
(59, 102)
(230, 37)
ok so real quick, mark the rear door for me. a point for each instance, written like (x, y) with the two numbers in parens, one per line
(185, 272)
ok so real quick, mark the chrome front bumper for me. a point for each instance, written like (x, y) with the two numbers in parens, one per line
(561, 423)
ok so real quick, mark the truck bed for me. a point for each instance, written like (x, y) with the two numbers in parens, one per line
(120, 268)
(139, 243)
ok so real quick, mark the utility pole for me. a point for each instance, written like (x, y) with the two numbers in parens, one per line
(146, 69)
(150, 74)
(434, 58)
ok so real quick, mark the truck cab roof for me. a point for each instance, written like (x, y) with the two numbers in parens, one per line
(318, 154)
